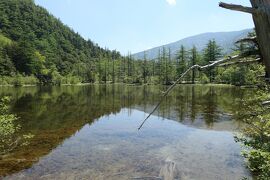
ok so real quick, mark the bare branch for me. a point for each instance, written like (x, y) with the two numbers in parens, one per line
(167, 92)
(215, 63)
(250, 53)
(211, 65)
(240, 62)
(248, 39)
(266, 103)
(238, 8)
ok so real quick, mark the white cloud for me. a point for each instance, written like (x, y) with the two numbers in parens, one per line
(171, 2)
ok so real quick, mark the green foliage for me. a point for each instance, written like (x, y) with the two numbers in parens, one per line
(9, 139)
(167, 71)
(6, 64)
(194, 59)
(71, 80)
(33, 42)
(256, 135)
(240, 75)
(204, 79)
(212, 53)
(182, 58)
(6, 128)
(18, 80)
(4, 41)
(243, 74)
(55, 76)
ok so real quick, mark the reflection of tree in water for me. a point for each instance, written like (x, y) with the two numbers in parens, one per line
(67, 104)
(10, 139)
(202, 104)
(193, 105)
(53, 114)
(210, 110)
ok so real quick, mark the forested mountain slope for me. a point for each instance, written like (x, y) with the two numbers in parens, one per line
(33, 42)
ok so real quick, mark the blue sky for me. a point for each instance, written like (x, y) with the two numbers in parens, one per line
(136, 25)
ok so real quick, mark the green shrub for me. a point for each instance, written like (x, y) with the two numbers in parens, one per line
(29, 80)
(154, 80)
(75, 80)
(256, 135)
(9, 127)
(56, 78)
(18, 80)
(3, 81)
(71, 79)
(240, 75)
(204, 79)
(128, 80)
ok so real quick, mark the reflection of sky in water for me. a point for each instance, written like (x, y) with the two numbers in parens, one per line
(113, 148)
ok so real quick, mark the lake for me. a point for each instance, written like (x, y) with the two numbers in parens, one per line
(91, 132)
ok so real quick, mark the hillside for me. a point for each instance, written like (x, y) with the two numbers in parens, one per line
(41, 44)
(224, 39)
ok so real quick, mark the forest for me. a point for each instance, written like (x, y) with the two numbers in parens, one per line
(37, 46)
(37, 49)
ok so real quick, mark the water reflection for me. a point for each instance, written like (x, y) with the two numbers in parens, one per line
(67, 142)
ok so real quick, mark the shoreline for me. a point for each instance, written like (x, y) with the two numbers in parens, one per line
(87, 84)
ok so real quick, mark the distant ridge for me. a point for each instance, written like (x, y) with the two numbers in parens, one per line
(224, 39)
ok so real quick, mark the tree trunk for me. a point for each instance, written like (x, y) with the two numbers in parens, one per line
(262, 27)
(193, 76)
(261, 16)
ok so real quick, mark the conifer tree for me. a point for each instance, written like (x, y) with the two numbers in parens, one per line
(181, 58)
(194, 60)
(212, 53)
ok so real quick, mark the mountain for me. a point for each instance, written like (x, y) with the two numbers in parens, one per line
(34, 42)
(224, 39)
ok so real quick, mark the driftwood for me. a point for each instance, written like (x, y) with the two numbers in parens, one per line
(198, 67)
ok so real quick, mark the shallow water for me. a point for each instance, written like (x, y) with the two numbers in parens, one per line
(90, 132)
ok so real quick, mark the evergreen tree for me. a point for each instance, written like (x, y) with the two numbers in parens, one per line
(194, 61)
(113, 70)
(160, 65)
(170, 68)
(182, 57)
(212, 53)
(145, 69)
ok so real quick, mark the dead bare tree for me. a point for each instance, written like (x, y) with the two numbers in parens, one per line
(260, 12)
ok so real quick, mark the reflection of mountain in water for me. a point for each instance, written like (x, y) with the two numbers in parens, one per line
(53, 114)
